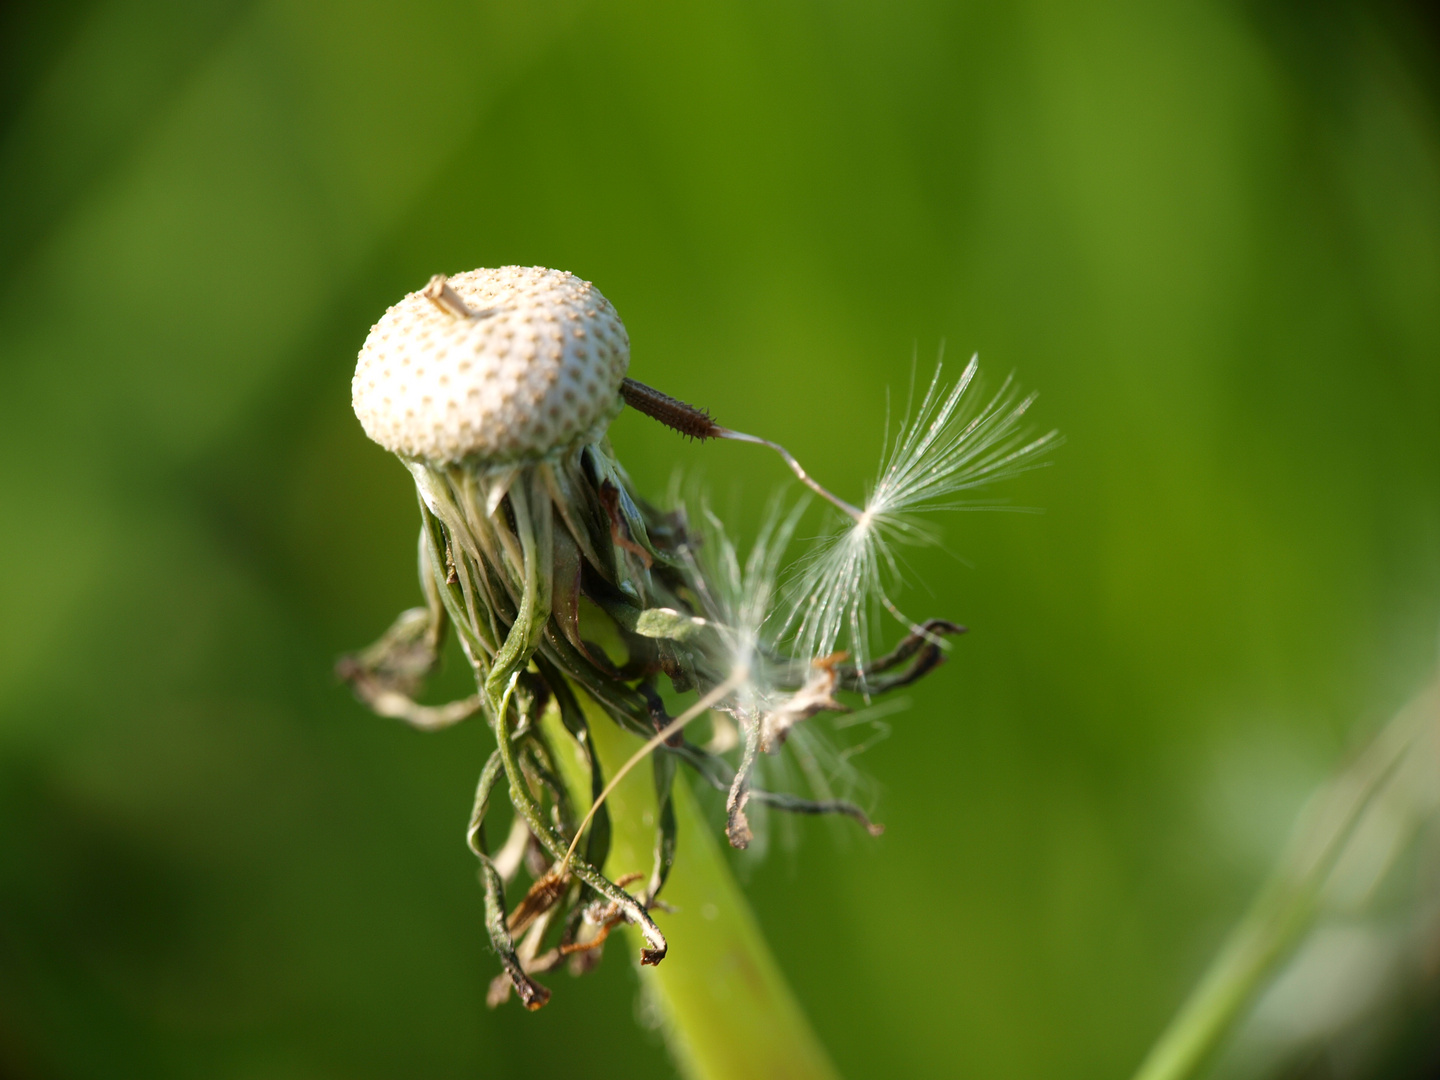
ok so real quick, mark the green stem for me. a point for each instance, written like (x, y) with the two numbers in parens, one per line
(728, 1011)
(1285, 909)
(1254, 949)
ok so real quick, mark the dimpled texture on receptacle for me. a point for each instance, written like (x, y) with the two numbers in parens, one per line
(536, 369)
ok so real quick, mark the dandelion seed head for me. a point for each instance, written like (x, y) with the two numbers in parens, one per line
(501, 365)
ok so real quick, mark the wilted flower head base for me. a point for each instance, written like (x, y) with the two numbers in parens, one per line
(509, 551)
(507, 559)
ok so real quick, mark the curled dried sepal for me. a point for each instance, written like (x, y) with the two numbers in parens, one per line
(920, 652)
(387, 674)
(816, 696)
(543, 895)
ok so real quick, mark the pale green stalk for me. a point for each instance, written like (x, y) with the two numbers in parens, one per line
(727, 1010)
(1286, 907)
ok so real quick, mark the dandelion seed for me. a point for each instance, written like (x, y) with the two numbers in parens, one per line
(952, 445)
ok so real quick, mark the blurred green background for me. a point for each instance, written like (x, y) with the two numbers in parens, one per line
(1208, 233)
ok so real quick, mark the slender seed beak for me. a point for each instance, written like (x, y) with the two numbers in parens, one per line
(696, 423)
(797, 469)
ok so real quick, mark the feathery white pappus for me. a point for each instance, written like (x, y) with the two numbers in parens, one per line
(501, 365)
(953, 443)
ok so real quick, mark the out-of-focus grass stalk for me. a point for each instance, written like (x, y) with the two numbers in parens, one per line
(727, 1010)
(1286, 906)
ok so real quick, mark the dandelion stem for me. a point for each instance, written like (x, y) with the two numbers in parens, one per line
(726, 1009)
(1290, 901)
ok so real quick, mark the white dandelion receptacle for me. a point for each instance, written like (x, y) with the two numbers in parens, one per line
(499, 365)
